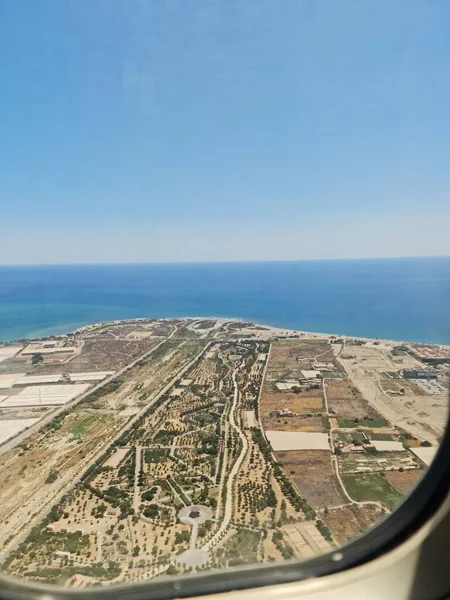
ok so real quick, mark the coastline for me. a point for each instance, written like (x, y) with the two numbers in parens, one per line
(274, 331)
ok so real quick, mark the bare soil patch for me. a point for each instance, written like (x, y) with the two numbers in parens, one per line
(346, 401)
(312, 473)
(349, 522)
(396, 385)
(403, 482)
(297, 423)
(302, 403)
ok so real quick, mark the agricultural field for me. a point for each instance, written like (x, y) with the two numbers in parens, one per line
(51, 459)
(359, 462)
(312, 473)
(345, 401)
(289, 357)
(370, 422)
(373, 487)
(403, 482)
(295, 423)
(346, 523)
(212, 444)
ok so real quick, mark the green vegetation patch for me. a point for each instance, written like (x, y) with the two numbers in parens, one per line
(382, 437)
(352, 423)
(240, 549)
(60, 575)
(365, 486)
(155, 455)
(79, 429)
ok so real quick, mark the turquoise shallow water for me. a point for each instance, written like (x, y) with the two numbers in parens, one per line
(405, 299)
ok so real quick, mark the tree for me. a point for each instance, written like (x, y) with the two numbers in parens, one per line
(425, 444)
(37, 358)
(52, 476)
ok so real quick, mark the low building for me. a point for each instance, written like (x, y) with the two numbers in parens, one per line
(310, 374)
(413, 374)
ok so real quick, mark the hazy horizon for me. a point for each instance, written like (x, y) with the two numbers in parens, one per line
(219, 131)
(218, 262)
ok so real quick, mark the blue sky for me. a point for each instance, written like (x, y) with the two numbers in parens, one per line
(138, 130)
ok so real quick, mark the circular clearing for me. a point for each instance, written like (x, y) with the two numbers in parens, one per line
(195, 514)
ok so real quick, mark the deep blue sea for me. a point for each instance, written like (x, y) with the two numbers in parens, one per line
(405, 299)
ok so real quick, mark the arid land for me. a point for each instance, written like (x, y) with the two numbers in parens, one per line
(136, 449)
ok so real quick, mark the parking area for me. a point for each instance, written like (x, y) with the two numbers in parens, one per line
(430, 386)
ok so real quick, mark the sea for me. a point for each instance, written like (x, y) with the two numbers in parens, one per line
(401, 299)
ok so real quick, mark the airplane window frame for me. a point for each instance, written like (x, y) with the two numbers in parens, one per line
(419, 506)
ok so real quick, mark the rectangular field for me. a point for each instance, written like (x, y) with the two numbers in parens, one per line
(294, 423)
(306, 539)
(388, 446)
(381, 461)
(45, 395)
(405, 481)
(8, 352)
(293, 440)
(365, 487)
(348, 522)
(312, 473)
(303, 403)
(344, 400)
(249, 418)
(425, 454)
(352, 423)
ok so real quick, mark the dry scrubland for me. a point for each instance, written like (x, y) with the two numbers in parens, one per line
(312, 473)
(94, 497)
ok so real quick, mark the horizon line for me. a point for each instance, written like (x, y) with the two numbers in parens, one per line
(218, 262)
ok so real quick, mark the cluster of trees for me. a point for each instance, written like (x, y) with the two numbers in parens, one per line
(107, 388)
(210, 445)
(255, 497)
(285, 550)
(151, 511)
(326, 533)
(56, 422)
(149, 494)
(127, 468)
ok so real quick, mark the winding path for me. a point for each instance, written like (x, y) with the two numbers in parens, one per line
(233, 473)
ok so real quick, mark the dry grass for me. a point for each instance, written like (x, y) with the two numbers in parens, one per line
(301, 403)
(313, 424)
(346, 401)
(312, 473)
(349, 522)
(403, 482)
(395, 385)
